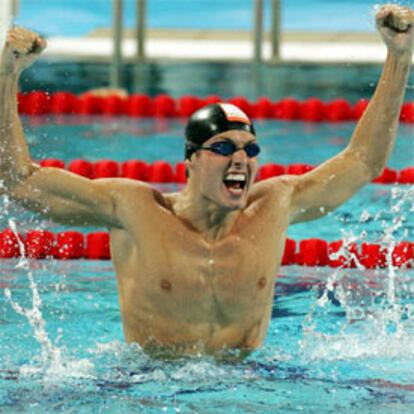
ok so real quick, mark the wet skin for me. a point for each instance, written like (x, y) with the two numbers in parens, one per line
(196, 269)
(188, 289)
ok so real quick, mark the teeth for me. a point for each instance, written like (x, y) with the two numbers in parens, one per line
(235, 177)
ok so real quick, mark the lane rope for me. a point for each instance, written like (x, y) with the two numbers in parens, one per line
(164, 106)
(69, 245)
(164, 172)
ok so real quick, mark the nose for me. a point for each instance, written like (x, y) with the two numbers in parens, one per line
(239, 157)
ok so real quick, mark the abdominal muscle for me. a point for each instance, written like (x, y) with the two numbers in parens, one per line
(169, 336)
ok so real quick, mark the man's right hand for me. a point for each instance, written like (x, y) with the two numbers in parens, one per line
(21, 49)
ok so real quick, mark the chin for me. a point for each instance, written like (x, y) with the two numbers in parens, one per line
(234, 205)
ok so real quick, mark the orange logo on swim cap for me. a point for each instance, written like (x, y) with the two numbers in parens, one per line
(234, 114)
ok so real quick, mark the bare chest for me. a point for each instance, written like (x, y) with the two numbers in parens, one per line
(179, 273)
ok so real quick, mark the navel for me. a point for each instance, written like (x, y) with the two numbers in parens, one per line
(165, 284)
(261, 282)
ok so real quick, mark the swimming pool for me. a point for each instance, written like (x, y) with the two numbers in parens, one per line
(338, 340)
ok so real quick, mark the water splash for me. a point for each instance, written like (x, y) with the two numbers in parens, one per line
(53, 365)
(379, 318)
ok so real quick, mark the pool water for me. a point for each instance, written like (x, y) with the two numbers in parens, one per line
(346, 349)
(339, 340)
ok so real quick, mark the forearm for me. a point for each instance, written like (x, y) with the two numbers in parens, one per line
(376, 131)
(15, 162)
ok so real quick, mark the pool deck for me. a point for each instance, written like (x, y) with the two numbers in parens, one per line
(205, 45)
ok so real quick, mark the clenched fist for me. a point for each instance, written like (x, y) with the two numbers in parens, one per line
(21, 49)
(396, 26)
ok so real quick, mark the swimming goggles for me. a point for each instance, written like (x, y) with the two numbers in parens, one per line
(226, 148)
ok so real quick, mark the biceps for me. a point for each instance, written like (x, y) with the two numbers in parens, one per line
(57, 209)
(328, 186)
(66, 198)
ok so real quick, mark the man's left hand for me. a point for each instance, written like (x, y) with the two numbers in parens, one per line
(396, 26)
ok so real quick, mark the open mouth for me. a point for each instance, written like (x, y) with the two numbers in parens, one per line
(235, 182)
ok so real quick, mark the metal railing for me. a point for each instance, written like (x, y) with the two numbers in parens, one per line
(8, 9)
(140, 34)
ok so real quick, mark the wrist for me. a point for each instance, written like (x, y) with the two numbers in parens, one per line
(400, 58)
(402, 54)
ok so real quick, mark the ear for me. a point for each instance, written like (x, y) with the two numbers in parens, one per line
(188, 167)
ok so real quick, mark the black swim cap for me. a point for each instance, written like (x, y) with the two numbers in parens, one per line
(212, 120)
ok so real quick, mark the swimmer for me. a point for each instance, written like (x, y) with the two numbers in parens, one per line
(196, 268)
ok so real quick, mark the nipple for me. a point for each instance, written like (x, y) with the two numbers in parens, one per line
(262, 282)
(165, 284)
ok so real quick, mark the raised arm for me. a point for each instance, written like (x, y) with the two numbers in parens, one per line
(57, 194)
(333, 182)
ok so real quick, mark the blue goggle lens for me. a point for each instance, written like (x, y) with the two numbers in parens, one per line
(226, 148)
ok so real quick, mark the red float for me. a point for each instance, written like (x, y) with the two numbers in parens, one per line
(139, 105)
(9, 246)
(312, 110)
(406, 176)
(407, 112)
(90, 104)
(135, 169)
(187, 105)
(403, 254)
(359, 108)
(63, 103)
(70, 245)
(387, 176)
(271, 170)
(52, 162)
(39, 244)
(242, 103)
(340, 260)
(298, 169)
(289, 254)
(338, 110)
(81, 167)
(97, 246)
(212, 99)
(106, 169)
(164, 106)
(37, 103)
(160, 172)
(372, 256)
(313, 252)
(114, 105)
(263, 108)
(287, 109)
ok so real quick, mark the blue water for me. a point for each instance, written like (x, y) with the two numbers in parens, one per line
(83, 16)
(347, 348)
(345, 354)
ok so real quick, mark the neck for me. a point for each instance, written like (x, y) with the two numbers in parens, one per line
(213, 221)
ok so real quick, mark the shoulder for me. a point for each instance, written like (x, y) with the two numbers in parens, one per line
(276, 186)
(128, 193)
(123, 186)
(133, 193)
(273, 194)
